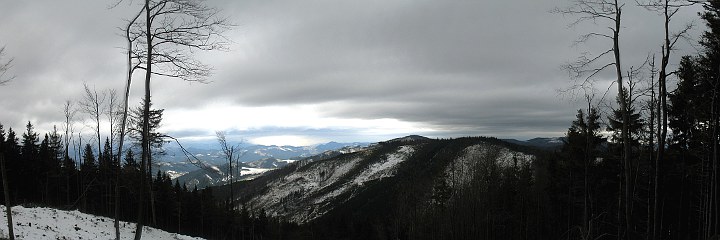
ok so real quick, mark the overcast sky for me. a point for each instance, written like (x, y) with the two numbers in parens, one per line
(304, 72)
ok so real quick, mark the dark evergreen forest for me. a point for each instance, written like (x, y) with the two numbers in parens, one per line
(41, 174)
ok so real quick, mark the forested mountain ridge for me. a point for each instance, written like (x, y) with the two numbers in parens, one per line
(382, 180)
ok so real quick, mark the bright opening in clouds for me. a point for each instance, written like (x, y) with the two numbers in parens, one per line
(286, 140)
(288, 125)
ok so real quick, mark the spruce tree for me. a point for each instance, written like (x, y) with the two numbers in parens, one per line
(582, 150)
(88, 165)
(28, 169)
(635, 128)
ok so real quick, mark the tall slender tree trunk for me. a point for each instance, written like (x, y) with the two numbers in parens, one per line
(625, 134)
(586, 163)
(67, 152)
(151, 190)
(6, 191)
(662, 117)
(123, 123)
(713, 184)
(710, 221)
(652, 206)
(146, 124)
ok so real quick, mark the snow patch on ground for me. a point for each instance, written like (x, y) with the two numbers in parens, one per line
(49, 223)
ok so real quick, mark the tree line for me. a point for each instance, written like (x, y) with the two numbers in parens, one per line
(40, 173)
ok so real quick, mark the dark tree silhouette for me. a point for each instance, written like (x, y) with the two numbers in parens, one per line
(6, 185)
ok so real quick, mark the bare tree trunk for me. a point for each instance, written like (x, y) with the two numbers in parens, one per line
(69, 113)
(230, 155)
(712, 196)
(179, 212)
(151, 190)
(651, 208)
(586, 162)
(123, 123)
(146, 124)
(662, 117)
(625, 134)
(6, 190)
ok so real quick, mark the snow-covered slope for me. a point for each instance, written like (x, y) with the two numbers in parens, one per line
(312, 190)
(49, 223)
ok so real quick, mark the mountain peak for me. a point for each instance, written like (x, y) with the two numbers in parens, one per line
(410, 138)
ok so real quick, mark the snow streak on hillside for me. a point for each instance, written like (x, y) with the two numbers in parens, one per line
(324, 183)
(384, 167)
(49, 223)
(463, 169)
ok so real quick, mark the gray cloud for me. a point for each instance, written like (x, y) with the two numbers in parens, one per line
(463, 67)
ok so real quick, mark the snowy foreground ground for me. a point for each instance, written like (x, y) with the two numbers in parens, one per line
(49, 223)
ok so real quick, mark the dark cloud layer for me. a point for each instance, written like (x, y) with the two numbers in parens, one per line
(460, 67)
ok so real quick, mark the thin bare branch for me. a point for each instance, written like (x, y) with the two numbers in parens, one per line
(4, 68)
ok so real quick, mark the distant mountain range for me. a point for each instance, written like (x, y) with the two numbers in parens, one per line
(543, 143)
(256, 159)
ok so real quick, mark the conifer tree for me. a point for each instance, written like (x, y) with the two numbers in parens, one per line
(30, 163)
(635, 126)
(582, 149)
(88, 165)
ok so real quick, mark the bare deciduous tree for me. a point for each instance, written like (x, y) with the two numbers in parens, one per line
(92, 105)
(232, 156)
(668, 9)
(4, 67)
(69, 112)
(162, 44)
